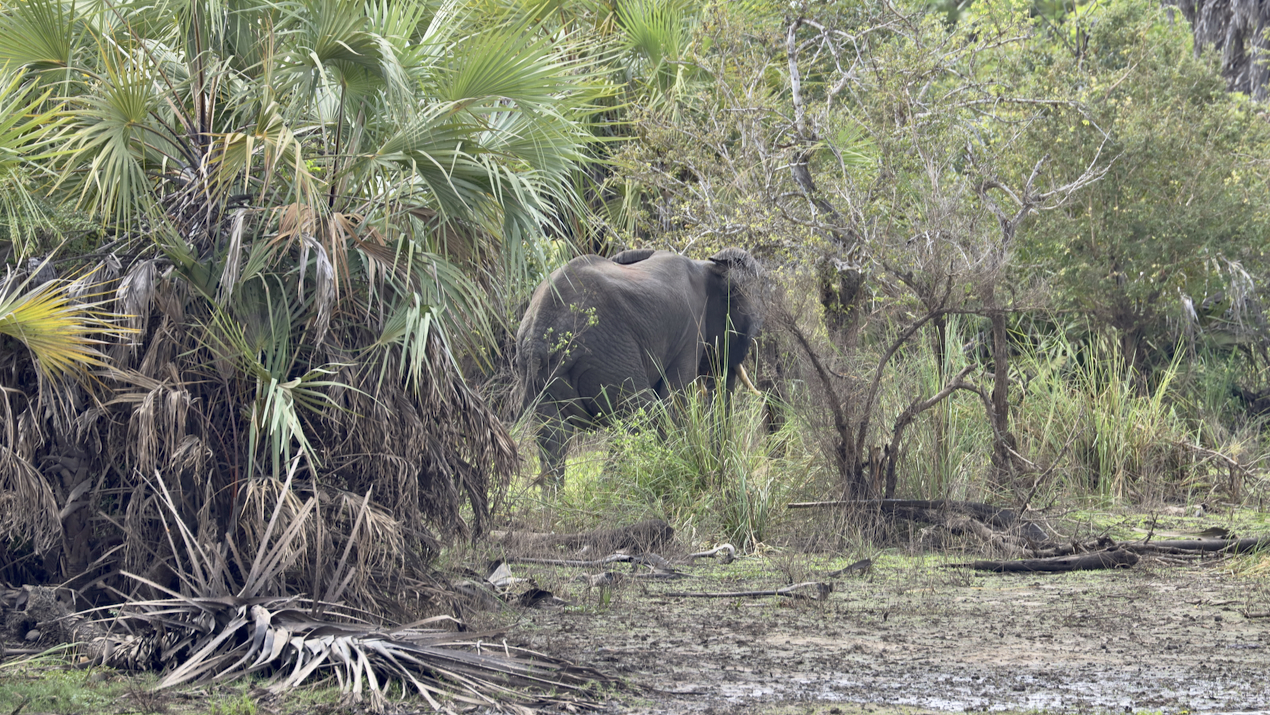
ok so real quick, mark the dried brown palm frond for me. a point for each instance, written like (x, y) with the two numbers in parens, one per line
(28, 509)
(427, 444)
(220, 626)
(220, 639)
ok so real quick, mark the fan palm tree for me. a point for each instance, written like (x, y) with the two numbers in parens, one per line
(308, 206)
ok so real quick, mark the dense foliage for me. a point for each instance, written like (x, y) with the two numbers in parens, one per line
(1015, 252)
(292, 222)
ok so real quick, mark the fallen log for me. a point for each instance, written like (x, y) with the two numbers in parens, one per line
(728, 551)
(652, 560)
(822, 592)
(928, 510)
(1076, 547)
(1109, 559)
(1175, 546)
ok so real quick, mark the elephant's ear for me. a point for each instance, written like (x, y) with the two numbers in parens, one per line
(736, 259)
(634, 255)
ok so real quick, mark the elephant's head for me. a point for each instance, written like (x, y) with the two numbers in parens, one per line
(734, 312)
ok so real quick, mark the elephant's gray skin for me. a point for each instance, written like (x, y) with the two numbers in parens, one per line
(602, 335)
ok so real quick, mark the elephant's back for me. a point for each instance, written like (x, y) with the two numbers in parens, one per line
(592, 278)
(590, 287)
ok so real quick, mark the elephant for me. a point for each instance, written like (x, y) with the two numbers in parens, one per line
(603, 336)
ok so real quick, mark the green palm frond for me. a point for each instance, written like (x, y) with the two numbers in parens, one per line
(26, 132)
(264, 351)
(61, 333)
(409, 329)
(513, 64)
(657, 37)
(26, 135)
(267, 157)
(110, 139)
(39, 34)
(653, 29)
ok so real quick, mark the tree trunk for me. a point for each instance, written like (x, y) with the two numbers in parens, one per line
(1002, 459)
(1110, 559)
(71, 463)
(940, 415)
(840, 290)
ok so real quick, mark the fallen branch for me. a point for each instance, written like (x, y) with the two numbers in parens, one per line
(648, 559)
(927, 510)
(1228, 546)
(822, 592)
(613, 578)
(1076, 547)
(1110, 559)
(728, 551)
(1263, 614)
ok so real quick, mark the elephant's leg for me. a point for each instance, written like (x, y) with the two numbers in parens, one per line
(553, 444)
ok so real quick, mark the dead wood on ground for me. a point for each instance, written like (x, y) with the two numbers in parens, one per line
(652, 560)
(1109, 559)
(1105, 553)
(994, 519)
(822, 592)
(1181, 546)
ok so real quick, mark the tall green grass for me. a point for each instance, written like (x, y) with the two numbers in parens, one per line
(1092, 424)
(712, 469)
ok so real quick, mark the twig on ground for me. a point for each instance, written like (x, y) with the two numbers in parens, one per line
(822, 592)
(648, 559)
(728, 550)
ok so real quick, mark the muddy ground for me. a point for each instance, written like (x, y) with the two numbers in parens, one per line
(913, 637)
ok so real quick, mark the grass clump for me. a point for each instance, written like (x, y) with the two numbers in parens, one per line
(709, 466)
(53, 684)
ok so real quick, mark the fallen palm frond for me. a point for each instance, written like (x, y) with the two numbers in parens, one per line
(219, 639)
(231, 618)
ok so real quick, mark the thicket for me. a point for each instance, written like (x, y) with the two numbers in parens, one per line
(1019, 257)
(281, 228)
(1016, 256)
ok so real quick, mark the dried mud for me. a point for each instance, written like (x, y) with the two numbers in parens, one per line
(918, 638)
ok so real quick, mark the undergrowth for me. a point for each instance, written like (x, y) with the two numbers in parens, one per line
(1098, 433)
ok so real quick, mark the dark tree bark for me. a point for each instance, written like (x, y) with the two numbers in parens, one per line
(1237, 30)
(1111, 559)
(1005, 444)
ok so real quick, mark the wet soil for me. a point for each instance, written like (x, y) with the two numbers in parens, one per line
(913, 637)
